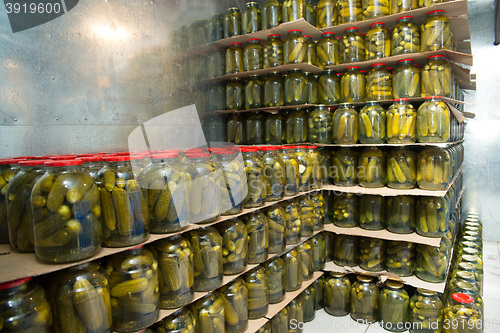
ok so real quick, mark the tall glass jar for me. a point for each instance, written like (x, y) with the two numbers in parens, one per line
(235, 296)
(215, 28)
(329, 88)
(205, 189)
(305, 163)
(24, 307)
(257, 229)
(296, 88)
(346, 210)
(371, 254)
(463, 312)
(319, 285)
(312, 88)
(8, 169)
(250, 20)
(234, 246)
(306, 260)
(271, 14)
(400, 6)
(432, 216)
(431, 263)
(433, 121)
(402, 168)
(326, 13)
(318, 211)
(134, 290)
(234, 59)
(365, 300)
(353, 86)
(216, 63)
(308, 296)
(328, 49)
(293, 223)
(352, 45)
(376, 8)
(293, 270)
(255, 123)
(310, 13)
(295, 46)
(276, 224)
(405, 37)
(258, 295)
(401, 214)
(426, 310)
(436, 32)
(176, 279)
(274, 129)
(295, 314)
(400, 257)
(272, 50)
(80, 299)
(337, 294)
(254, 94)
(306, 208)
(274, 90)
(252, 55)
(406, 80)
(293, 10)
(320, 125)
(296, 126)
(437, 79)
(346, 248)
(372, 210)
(274, 172)
(372, 168)
(350, 11)
(372, 123)
(434, 168)
(276, 276)
(232, 22)
(254, 169)
(401, 122)
(291, 170)
(344, 167)
(394, 306)
(66, 227)
(234, 184)
(209, 313)
(216, 98)
(311, 53)
(207, 258)
(319, 251)
(378, 83)
(235, 95)
(236, 130)
(377, 39)
(279, 323)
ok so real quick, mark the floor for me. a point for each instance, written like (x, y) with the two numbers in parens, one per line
(491, 257)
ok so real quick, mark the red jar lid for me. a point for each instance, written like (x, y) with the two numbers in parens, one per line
(400, 99)
(248, 149)
(62, 157)
(254, 39)
(406, 60)
(356, 28)
(307, 36)
(431, 97)
(435, 11)
(235, 43)
(355, 67)
(44, 157)
(15, 283)
(312, 147)
(60, 163)
(379, 64)
(4, 161)
(302, 147)
(267, 148)
(328, 33)
(116, 158)
(95, 158)
(403, 17)
(162, 156)
(223, 152)
(436, 56)
(24, 157)
(274, 35)
(463, 298)
(375, 23)
(295, 30)
(193, 150)
(85, 155)
(197, 155)
(33, 162)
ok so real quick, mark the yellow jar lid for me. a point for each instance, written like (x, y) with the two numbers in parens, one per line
(394, 284)
(426, 292)
(365, 278)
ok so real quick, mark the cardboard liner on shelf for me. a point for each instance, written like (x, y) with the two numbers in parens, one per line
(305, 67)
(416, 144)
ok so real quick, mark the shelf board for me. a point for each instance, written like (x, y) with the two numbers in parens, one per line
(384, 234)
(255, 324)
(270, 109)
(305, 67)
(416, 144)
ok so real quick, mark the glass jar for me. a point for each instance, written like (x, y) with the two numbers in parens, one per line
(207, 251)
(350, 11)
(401, 168)
(80, 299)
(337, 294)
(372, 123)
(434, 170)
(266, 328)
(235, 296)
(232, 22)
(250, 20)
(311, 54)
(274, 129)
(234, 185)
(18, 203)
(431, 263)
(328, 49)
(257, 229)
(406, 80)
(273, 50)
(433, 121)
(372, 168)
(279, 323)
(437, 79)
(274, 173)
(401, 119)
(306, 260)
(346, 210)
(258, 296)
(344, 168)
(346, 249)
(372, 210)
(236, 130)
(123, 205)
(215, 63)
(401, 214)
(295, 88)
(306, 207)
(352, 46)
(478, 267)
(329, 88)
(464, 313)
(276, 234)
(364, 300)
(276, 276)
(377, 39)
(255, 124)
(295, 46)
(426, 311)
(320, 125)
(254, 97)
(134, 290)
(310, 13)
(305, 163)
(319, 251)
(205, 188)
(66, 227)
(293, 10)
(215, 28)
(405, 37)
(293, 270)
(291, 170)
(326, 168)
(274, 90)
(376, 8)
(295, 315)
(292, 221)
(308, 296)
(327, 13)
(254, 169)
(235, 96)
(234, 59)
(234, 246)
(312, 88)
(394, 306)
(216, 98)
(378, 83)
(24, 307)
(252, 55)
(400, 257)
(319, 285)
(352, 86)
(175, 261)
(318, 211)
(271, 14)
(8, 169)
(209, 313)
(432, 216)
(436, 32)
(371, 254)
(400, 6)
(465, 284)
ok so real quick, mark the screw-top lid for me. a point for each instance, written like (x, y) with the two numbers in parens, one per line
(351, 28)
(466, 266)
(235, 43)
(352, 67)
(405, 17)
(463, 298)
(364, 278)
(394, 284)
(24, 157)
(465, 286)
(465, 275)
(400, 99)
(9, 161)
(15, 283)
(274, 35)
(435, 11)
(121, 158)
(295, 30)
(426, 292)
(85, 155)
(62, 157)
(307, 36)
(60, 163)
(193, 150)
(33, 162)
(254, 39)
(302, 147)
(267, 148)
(432, 97)
(248, 149)
(162, 156)
(328, 33)
(95, 158)
(379, 64)
(469, 258)
(223, 152)
(197, 155)
(436, 56)
(337, 274)
(376, 23)
(403, 60)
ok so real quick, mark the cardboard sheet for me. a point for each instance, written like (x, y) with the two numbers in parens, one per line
(354, 145)
(281, 69)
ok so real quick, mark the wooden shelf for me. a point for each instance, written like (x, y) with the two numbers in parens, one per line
(381, 145)
(305, 67)
(270, 109)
